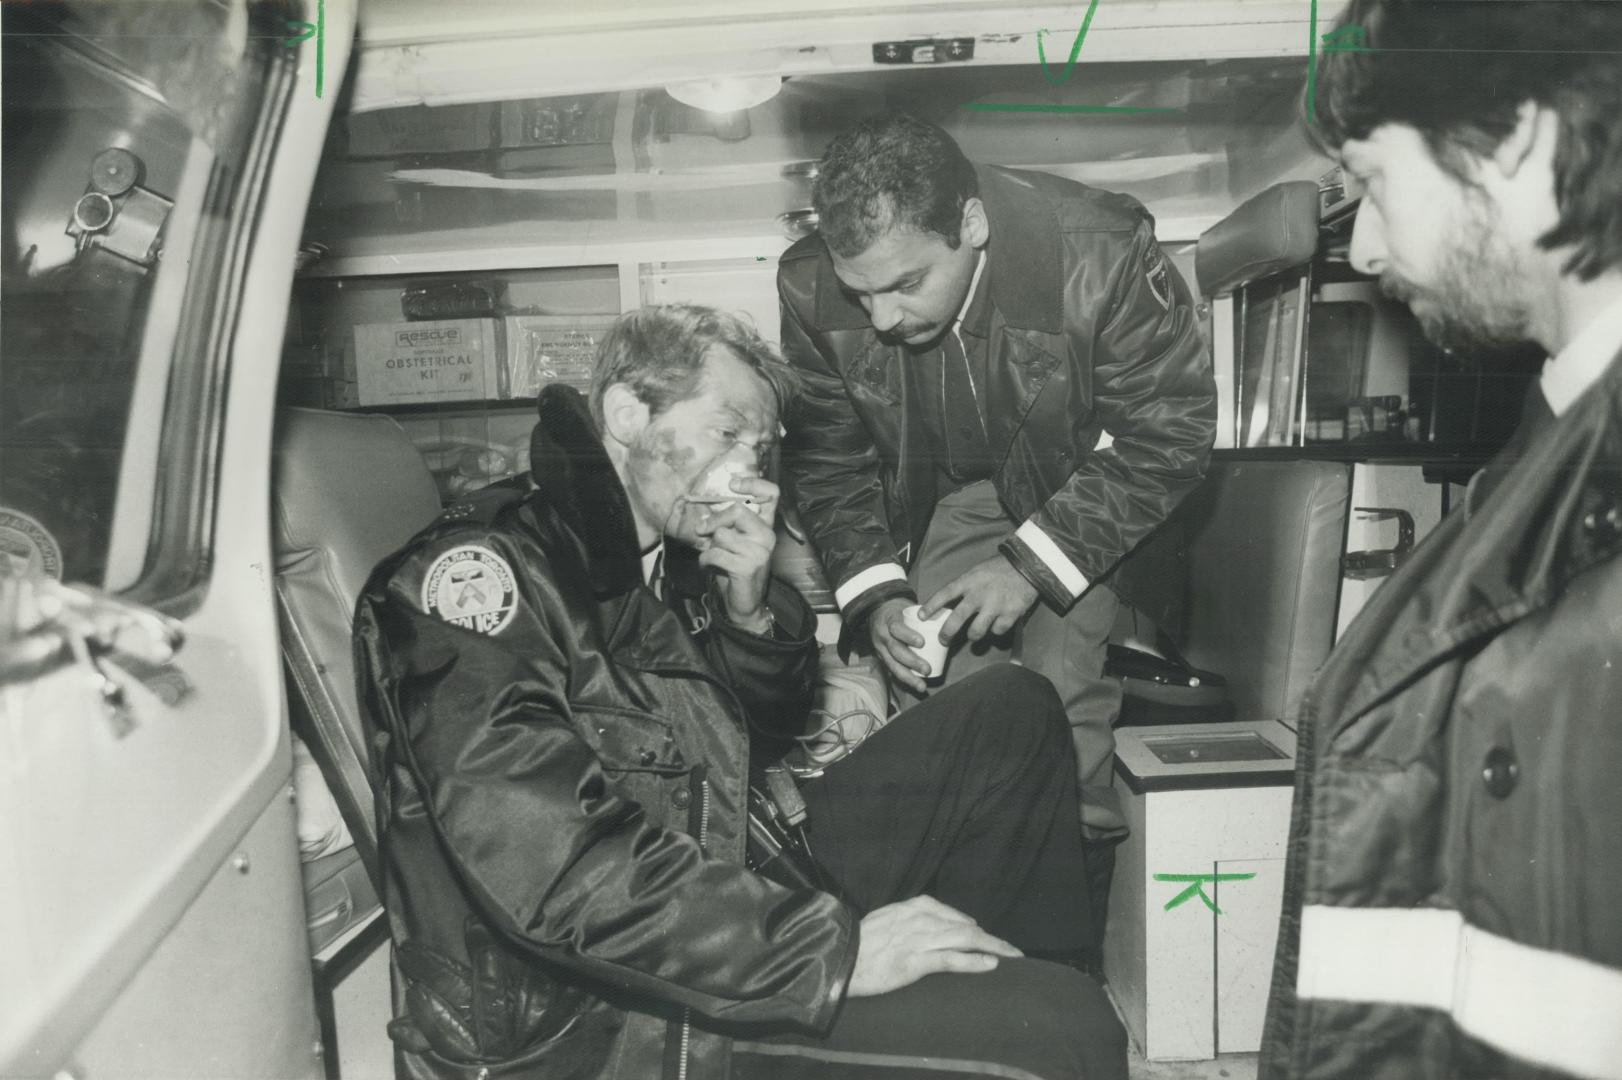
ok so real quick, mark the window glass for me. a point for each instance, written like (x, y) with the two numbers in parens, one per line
(127, 129)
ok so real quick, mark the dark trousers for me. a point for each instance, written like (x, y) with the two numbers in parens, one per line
(965, 529)
(969, 797)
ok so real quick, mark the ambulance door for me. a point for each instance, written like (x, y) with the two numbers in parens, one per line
(158, 158)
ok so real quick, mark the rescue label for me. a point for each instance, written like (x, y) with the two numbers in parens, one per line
(471, 587)
(450, 360)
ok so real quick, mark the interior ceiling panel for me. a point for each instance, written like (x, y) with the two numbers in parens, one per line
(639, 163)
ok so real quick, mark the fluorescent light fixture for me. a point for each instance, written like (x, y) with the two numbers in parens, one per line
(726, 94)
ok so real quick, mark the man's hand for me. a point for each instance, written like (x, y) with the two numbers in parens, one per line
(894, 642)
(993, 595)
(901, 943)
(739, 544)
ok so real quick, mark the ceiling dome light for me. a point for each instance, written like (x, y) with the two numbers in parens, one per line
(727, 94)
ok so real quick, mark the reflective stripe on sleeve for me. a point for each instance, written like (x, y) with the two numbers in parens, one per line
(1545, 1007)
(1055, 560)
(873, 575)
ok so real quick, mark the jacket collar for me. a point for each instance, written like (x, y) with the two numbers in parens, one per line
(575, 481)
(1548, 508)
(1027, 278)
(1558, 493)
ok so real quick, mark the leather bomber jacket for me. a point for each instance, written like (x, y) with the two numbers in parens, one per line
(562, 792)
(1092, 331)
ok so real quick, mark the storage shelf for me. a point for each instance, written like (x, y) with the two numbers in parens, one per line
(1442, 462)
(1373, 453)
(430, 407)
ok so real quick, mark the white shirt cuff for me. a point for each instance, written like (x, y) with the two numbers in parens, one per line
(873, 575)
(1054, 559)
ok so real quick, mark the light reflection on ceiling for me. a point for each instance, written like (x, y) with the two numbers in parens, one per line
(640, 163)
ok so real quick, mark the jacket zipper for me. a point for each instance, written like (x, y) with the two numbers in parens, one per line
(703, 836)
(703, 813)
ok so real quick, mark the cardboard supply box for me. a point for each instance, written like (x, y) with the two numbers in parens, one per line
(545, 349)
(423, 129)
(410, 363)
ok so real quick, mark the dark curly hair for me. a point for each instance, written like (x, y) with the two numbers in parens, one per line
(888, 171)
(1458, 70)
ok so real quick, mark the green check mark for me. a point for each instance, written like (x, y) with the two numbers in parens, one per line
(1075, 49)
(1195, 888)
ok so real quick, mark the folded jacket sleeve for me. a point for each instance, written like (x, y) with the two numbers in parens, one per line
(1155, 395)
(832, 468)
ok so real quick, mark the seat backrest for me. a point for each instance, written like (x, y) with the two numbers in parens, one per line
(349, 489)
(1245, 577)
(1269, 232)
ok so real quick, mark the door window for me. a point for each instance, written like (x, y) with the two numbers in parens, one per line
(129, 155)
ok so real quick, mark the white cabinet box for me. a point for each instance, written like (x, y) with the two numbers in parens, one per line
(1194, 907)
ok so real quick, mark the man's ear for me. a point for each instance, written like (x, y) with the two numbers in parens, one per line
(975, 230)
(1536, 132)
(624, 414)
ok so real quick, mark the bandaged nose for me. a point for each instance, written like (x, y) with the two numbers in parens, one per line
(715, 484)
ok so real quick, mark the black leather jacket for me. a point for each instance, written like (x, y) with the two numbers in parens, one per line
(1092, 331)
(562, 797)
(1457, 772)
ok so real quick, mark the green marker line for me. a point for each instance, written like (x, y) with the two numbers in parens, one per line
(321, 45)
(303, 32)
(1312, 64)
(978, 106)
(1064, 77)
(1194, 889)
(1075, 48)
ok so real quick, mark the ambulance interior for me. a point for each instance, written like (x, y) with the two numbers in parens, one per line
(497, 185)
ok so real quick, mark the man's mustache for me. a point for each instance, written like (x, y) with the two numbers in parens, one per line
(1398, 288)
(900, 334)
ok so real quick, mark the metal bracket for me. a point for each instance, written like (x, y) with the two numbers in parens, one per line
(117, 214)
(44, 623)
(1378, 562)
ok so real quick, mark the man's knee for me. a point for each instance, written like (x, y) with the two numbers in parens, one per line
(1028, 1017)
(1013, 688)
(1057, 1021)
(1020, 703)
(1081, 1016)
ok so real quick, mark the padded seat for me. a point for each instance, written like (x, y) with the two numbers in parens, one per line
(1245, 577)
(349, 490)
(1271, 232)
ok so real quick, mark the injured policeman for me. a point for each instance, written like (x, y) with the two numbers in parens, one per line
(561, 683)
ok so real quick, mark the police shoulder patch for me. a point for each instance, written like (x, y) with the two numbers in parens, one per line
(472, 587)
(29, 545)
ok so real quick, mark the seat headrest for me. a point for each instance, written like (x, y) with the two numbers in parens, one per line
(350, 488)
(1272, 231)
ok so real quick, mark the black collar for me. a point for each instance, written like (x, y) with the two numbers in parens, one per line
(1558, 488)
(575, 481)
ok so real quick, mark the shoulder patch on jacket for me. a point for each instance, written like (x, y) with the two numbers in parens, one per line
(1159, 280)
(472, 587)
